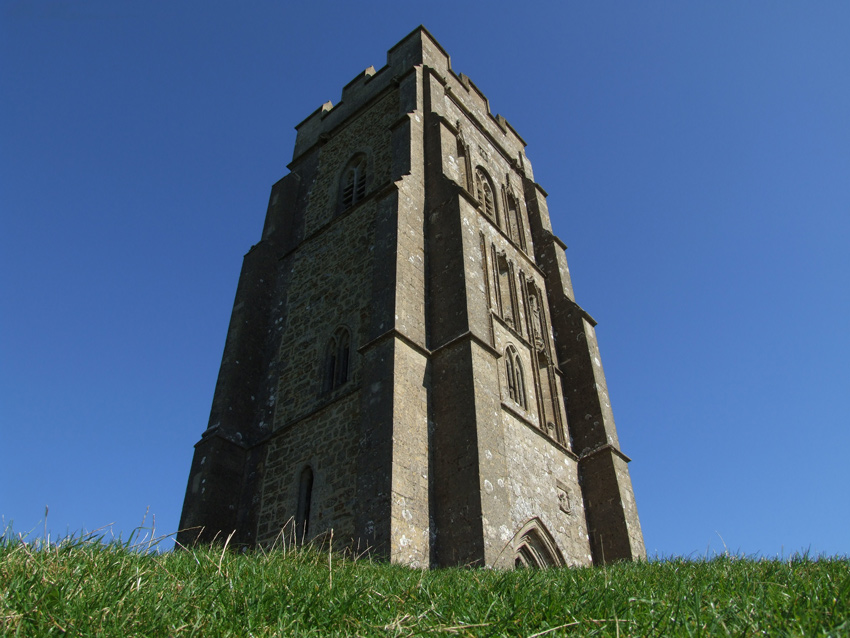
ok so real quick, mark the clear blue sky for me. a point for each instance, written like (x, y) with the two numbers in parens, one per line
(697, 157)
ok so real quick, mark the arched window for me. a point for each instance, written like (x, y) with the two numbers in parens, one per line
(337, 356)
(354, 182)
(484, 192)
(463, 161)
(516, 379)
(305, 498)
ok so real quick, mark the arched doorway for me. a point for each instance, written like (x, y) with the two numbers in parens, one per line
(534, 547)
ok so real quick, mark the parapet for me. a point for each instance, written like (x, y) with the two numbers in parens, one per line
(418, 48)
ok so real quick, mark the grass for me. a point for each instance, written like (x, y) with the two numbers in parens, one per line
(87, 587)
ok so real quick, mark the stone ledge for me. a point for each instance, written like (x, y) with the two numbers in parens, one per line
(394, 332)
(466, 336)
(603, 448)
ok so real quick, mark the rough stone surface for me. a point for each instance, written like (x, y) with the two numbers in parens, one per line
(406, 367)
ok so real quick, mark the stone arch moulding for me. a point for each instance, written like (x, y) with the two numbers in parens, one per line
(515, 377)
(485, 193)
(534, 546)
(353, 181)
(337, 360)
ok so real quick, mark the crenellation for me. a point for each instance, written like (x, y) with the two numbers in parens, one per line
(406, 367)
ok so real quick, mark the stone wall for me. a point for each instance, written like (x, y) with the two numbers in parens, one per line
(542, 481)
(329, 284)
(472, 425)
(320, 301)
(327, 442)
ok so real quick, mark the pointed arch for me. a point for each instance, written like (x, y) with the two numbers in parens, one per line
(353, 181)
(337, 359)
(485, 192)
(534, 546)
(515, 377)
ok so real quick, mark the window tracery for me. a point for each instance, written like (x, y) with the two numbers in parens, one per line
(484, 193)
(515, 377)
(337, 355)
(534, 546)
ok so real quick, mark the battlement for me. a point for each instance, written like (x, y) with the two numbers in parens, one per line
(406, 368)
(418, 49)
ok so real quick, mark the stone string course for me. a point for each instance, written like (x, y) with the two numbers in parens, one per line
(422, 453)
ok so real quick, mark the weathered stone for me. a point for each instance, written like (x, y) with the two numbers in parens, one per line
(406, 366)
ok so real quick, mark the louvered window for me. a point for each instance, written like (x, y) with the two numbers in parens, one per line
(337, 356)
(354, 182)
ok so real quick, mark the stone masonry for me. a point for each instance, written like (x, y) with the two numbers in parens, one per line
(406, 366)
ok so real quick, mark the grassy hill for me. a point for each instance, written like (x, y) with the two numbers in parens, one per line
(86, 588)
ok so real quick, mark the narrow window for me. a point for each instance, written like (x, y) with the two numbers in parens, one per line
(509, 371)
(354, 182)
(497, 285)
(343, 348)
(520, 382)
(305, 497)
(515, 377)
(337, 359)
(484, 193)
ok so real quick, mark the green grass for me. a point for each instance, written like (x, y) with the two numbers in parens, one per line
(86, 587)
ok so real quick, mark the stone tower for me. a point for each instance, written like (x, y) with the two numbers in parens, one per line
(405, 363)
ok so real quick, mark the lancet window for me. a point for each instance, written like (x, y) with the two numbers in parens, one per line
(337, 355)
(305, 498)
(354, 181)
(515, 377)
(484, 193)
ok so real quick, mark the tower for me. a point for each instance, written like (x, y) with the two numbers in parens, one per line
(406, 364)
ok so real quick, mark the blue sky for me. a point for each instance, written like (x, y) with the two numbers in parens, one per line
(697, 160)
